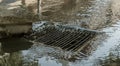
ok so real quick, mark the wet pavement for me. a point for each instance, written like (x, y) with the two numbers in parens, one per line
(102, 51)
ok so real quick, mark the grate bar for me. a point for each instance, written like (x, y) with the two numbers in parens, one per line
(66, 39)
(77, 37)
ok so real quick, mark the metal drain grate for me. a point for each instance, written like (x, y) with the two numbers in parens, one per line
(67, 38)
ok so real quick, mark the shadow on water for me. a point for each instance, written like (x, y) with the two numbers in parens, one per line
(10, 52)
(14, 44)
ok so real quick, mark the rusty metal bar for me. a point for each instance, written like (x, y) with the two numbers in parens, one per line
(45, 36)
(75, 40)
(86, 38)
(60, 38)
(79, 36)
(78, 43)
(66, 39)
(82, 47)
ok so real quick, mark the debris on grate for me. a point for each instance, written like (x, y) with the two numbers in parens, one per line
(66, 37)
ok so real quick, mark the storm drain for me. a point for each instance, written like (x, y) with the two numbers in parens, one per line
(66, 38)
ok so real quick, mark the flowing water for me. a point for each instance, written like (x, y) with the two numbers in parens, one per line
(98, 12)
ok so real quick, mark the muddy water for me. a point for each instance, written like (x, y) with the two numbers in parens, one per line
(85, 13)
(104, 50)
(41, 55)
